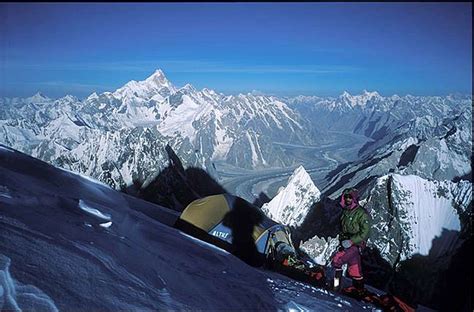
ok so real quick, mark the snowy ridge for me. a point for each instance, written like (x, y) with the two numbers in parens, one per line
(353, 101)
(439, 150)
(155, 85)
(426, 209)
(423, 211)
(179, 120)
(376, 116)
(291, 205)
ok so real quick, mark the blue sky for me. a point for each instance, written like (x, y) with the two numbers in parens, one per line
(277, 48)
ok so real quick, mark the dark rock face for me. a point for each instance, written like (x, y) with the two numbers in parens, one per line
(408, 156)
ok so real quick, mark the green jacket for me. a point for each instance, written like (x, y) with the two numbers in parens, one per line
(355, 225)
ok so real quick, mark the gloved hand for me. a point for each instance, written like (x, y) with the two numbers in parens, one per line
(346, 243)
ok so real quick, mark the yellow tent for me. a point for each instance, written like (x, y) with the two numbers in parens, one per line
(208, 219)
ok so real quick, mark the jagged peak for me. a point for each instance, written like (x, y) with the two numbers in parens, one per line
(38, 97)
(301, 175)
(158, 74)
(290, 206)
(157, 79)
(145, 88)
(345, 94)
(68, 98)
(189, 87)
(94, 95)
(371, 93)
(299, 171)
(209, 91)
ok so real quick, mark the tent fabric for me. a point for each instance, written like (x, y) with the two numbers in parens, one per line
(209, 212)
(206, 213)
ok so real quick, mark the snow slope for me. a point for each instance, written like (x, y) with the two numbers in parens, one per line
(52, 239)
(421, 211)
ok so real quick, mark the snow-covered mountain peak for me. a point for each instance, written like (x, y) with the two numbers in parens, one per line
(189, 88)
(360, 100)
(37, 98)
(93, 96)
(158, 73)
(345, 94)
(347, 100)
(292, 203)
(158, 78)
(369, 95)
(209, 92)
(156, 84)
(68, 98)
(300, 175)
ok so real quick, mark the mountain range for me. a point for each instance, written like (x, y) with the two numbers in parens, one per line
(118, 137)
(413, 173)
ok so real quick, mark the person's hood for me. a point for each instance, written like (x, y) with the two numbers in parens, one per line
(355, 199)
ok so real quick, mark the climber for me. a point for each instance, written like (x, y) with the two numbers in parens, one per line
(354, 233)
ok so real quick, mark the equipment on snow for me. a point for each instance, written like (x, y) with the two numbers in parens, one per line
(212, 219)
(232, 223)
(337, 280)
(386, 302)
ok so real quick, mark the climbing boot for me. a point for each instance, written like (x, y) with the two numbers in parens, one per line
(358, 283)
(359, 286)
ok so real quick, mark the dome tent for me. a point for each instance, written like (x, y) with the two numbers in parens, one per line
(218, 219)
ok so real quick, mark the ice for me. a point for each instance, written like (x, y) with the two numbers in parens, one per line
(93, 211)
(106, 225)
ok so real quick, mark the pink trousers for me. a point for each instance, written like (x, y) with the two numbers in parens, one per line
(351, 256)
